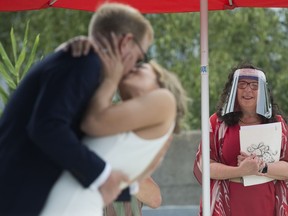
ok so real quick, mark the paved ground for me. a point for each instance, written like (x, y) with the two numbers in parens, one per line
(172, 211)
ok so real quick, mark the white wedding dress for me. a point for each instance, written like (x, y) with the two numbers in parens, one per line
(126, 152)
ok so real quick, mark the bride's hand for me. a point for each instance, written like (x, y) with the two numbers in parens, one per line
(78, 46)
(113, 65)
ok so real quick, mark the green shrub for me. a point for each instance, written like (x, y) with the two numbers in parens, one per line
(13, 69)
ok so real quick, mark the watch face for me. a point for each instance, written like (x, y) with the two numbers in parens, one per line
(265, 169)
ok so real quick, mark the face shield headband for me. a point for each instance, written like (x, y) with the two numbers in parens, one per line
(257, 82)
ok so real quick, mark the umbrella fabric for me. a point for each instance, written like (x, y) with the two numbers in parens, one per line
(147, 6)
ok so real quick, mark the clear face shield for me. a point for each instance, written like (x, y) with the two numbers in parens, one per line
(257, 82)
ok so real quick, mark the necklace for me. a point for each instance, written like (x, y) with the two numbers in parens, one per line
(249, 123)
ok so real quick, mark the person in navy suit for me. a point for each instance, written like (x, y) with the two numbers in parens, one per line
(40, 133)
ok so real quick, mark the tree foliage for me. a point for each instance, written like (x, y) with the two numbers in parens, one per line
(54, 26)
(258, 36)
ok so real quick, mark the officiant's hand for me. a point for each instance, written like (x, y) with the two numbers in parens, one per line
(250, 165)
(241, 157)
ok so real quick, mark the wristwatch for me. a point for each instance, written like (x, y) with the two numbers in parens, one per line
(265, 169)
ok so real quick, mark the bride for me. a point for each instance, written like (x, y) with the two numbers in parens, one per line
(131, 135)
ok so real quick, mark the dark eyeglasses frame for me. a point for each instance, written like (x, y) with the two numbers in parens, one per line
(253, 87)
(145, 59)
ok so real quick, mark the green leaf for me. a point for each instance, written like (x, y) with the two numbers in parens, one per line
(32, 56)
(25, 40)
(6, 59)
(7, 77)
(14, 46)
(4, 95)
(19, 64)
(22, 55)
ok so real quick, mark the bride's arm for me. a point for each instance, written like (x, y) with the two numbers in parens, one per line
(149, 193)
(104, 118)
(112, 71)
(151, 109)
(112, 65)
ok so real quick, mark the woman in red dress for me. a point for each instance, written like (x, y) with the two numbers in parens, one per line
(246, 100)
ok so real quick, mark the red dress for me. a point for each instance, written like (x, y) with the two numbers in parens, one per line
(250, 200)
(231, 198)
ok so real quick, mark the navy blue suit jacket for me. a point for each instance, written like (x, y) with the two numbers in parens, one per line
(40, 134)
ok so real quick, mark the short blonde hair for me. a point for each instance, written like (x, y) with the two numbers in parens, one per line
(170, 81)
(120, 19)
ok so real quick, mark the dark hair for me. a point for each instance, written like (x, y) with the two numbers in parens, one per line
(233, 118)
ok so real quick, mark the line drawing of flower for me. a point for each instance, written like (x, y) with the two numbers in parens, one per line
(262, 151)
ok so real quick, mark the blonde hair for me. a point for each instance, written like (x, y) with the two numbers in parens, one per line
(170, 81)
(120, 19)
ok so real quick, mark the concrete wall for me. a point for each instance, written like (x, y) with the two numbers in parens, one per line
(175, 175)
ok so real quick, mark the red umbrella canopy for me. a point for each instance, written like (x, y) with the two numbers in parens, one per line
(145, 6)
